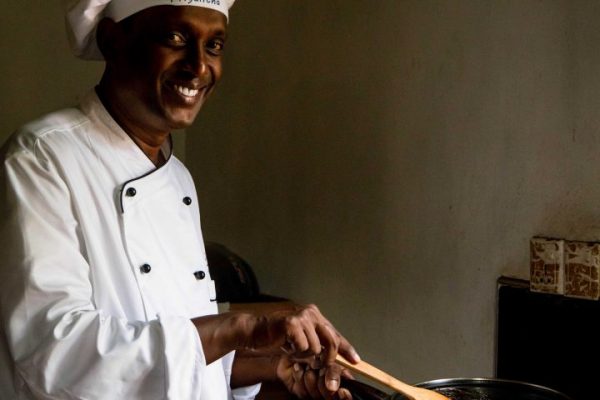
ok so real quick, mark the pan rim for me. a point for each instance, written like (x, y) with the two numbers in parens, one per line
(445, 382)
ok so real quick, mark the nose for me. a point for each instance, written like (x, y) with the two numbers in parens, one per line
(197, 60)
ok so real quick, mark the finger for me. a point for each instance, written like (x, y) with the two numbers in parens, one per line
(311, 383)
(326, 393)
(298, 372)
(346, 350)
(315, 341)
(347, 374)
(315, 362)
(296, 339)
(330, 342)
(332, 377)
(288, 347)
(343, 346)
(301, 338)
(298, 387)
(344, 394)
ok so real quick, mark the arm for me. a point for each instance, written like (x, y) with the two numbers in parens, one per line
(61, 345)
(300, 331)
(296, 346)
(249, 369)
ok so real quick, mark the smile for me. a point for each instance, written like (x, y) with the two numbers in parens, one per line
(186, 92)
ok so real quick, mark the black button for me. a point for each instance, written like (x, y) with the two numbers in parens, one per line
(131, 192)
(145, 269)
(200, 275)
(187, 201)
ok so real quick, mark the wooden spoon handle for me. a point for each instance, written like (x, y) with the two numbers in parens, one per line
(376, 374)
(369, 371)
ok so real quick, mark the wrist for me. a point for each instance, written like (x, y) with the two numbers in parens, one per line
(243, 326)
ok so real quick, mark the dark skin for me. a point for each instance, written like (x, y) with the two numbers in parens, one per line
(161, 65)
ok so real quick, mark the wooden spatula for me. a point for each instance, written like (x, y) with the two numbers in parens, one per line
(369, 371)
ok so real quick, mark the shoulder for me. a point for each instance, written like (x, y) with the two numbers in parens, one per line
(51, 130)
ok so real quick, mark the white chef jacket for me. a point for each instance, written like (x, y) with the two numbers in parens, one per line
(102, 266)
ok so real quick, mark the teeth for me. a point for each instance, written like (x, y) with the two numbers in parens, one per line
(186, 91)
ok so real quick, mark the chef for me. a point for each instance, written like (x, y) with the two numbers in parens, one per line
(105, 291)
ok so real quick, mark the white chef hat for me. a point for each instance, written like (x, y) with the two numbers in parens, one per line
(84, 15)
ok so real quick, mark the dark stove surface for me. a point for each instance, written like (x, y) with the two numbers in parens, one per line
(548, 339)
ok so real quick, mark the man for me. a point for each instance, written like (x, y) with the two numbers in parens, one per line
(104, 287)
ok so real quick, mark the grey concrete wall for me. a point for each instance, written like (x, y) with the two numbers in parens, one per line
(389, 160)
(38, 72)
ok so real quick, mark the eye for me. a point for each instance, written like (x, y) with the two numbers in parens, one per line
(215, 46)
(175, 39)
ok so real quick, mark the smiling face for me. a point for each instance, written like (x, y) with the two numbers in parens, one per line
(162, 63)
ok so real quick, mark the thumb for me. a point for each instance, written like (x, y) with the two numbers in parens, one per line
(333, 377)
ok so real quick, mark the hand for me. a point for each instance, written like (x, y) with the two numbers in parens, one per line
(307, 379)
(301, 332)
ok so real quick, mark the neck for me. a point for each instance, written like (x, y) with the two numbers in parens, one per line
(152, 151)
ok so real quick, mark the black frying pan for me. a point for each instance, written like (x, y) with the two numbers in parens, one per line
(464, 389)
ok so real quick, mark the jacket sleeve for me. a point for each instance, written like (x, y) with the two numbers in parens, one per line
(61, 345)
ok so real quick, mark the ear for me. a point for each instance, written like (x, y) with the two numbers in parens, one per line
(107, 38)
